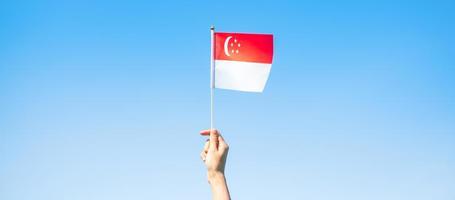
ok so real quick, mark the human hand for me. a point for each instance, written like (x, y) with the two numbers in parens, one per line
(214, 153)
(214, 156)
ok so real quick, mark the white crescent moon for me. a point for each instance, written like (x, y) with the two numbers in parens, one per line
(226, 45)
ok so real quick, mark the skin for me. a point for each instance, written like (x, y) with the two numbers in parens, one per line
(214, 157)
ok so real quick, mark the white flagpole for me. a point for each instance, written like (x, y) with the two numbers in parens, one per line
(212, 74)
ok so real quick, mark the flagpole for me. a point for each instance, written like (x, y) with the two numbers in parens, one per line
(212, 75)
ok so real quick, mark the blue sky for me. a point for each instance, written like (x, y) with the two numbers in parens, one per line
(104, 100)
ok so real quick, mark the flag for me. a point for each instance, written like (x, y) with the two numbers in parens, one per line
(242, 61)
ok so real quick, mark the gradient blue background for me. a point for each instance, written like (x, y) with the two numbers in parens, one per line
(104, 100)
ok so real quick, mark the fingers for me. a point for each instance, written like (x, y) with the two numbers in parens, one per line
(203, 155)
(213, 139)
(205, 132)
(222, 143)
(205, 150)
(206, 146)
(213, 134)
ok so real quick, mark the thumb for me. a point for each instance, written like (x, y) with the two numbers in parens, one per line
(214, 139)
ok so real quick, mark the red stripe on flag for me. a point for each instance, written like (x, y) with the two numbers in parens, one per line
(244, 47)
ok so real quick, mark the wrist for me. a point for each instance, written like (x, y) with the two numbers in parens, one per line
(215, 177)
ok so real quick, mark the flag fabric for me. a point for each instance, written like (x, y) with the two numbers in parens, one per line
(242, 61)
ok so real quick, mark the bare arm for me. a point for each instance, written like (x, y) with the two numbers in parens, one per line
(214, 156)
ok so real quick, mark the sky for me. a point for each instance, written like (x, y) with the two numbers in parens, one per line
(105, 99)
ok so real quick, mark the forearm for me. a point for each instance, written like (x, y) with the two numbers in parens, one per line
(218, 185)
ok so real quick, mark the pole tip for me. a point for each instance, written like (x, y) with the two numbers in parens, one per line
(212, 27)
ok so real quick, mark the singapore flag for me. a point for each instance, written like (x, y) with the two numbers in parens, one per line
(242, 61)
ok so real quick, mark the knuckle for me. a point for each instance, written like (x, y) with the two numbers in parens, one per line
(224, 147)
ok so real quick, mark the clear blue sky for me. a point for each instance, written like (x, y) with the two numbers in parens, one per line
(104, 100)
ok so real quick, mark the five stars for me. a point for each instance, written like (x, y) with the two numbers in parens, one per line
(235, 45)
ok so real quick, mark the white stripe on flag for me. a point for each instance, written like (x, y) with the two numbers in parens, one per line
(243, 76)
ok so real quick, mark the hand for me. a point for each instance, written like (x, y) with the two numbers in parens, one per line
(214, 156)
(215, 152)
